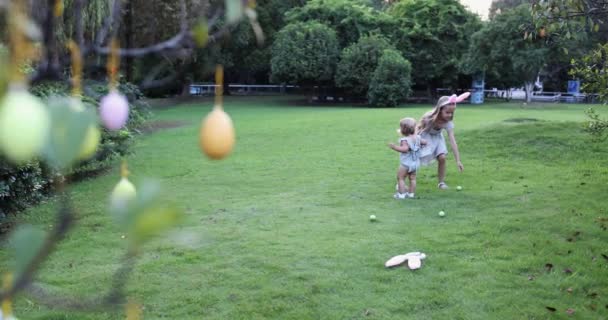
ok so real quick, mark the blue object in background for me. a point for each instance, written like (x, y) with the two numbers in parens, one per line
(574, 86)
(478, 86)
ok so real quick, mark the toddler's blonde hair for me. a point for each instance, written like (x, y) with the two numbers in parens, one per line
(407, 126)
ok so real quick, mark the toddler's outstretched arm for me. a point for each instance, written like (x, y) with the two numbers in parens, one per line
(402, 148)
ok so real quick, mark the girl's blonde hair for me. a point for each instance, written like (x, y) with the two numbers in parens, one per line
(429, 118)
(407, 126)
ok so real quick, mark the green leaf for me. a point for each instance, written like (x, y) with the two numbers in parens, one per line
(234, 10)
(26, 241)
(147, 216)
(153, 221)
(596, 27)
(69, 123)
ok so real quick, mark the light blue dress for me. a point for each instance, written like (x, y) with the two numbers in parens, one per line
(435, 143)
(410, 159)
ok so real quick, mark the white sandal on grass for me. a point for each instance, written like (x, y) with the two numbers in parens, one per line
(442, 185)
(413, 260)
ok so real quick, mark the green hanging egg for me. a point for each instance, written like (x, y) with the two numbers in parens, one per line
(24, 125)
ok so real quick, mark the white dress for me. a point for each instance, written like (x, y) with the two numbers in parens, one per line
(410, 159)
(435, 143)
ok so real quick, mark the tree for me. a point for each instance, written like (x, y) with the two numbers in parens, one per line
(434, 35)
(390, 83)
(500, 6)
(304, 53)
(505, 52)
(351, 19)
(358, 61)
(248, 61)
(592, 69)
(557, 14)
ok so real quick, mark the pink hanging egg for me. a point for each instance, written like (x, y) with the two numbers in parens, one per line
(114, 110)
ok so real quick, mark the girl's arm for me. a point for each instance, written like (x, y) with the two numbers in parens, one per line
(455, 149)
(404, 147)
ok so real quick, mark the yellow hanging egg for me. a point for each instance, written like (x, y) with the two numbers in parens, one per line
(24, 125)
(123, 193)
(217, 137)
(90, 143)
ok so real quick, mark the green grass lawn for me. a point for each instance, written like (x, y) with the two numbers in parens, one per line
(280, 229)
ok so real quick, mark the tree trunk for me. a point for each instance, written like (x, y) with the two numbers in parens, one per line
(529, 86)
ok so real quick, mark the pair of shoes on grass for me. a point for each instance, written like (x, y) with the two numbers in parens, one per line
(401, 196)
(414, 260)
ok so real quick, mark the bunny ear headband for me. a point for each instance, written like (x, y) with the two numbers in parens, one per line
(457, 99)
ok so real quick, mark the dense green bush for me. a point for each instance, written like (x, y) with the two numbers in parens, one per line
(20, 185)
(304, 53)
(28, 183)
(391, 81)
(351, 19)
(358, 61)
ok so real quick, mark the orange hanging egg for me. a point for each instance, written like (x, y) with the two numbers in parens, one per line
(217, 137)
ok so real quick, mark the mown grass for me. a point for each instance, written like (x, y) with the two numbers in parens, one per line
(280, 229)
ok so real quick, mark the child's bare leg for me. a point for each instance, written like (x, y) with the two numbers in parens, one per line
(441, 168)
(412, 182)
(401, 173)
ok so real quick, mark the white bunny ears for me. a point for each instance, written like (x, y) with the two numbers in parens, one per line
(414, 260)
(457, 99)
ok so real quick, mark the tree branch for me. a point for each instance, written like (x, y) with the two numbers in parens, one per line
(65, 217)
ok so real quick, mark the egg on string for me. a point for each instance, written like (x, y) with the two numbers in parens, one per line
(114, 110)
(24, 125)
(217, 137)
(124, 192)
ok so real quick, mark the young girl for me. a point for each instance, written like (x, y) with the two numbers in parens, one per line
(430, 127)
(409, 146)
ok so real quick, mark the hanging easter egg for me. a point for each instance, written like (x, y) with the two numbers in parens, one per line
(216, 138)
(24, 125)
(123, 193)
(114, 110)
(91, 142)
